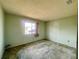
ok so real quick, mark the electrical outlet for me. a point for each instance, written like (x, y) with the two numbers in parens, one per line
(7, 46)
(68, 41)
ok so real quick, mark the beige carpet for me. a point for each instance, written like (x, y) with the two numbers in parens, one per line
(43, 49)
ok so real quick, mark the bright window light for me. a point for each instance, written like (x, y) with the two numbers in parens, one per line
(30, 27)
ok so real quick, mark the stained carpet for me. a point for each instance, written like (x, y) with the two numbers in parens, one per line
(42, 49)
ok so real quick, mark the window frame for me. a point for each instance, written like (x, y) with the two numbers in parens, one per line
(31, 21)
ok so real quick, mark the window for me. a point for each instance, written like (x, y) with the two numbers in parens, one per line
(30, 27)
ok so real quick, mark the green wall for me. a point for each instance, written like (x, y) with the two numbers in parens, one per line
(1, 33)
(63, 31)
(14, 31)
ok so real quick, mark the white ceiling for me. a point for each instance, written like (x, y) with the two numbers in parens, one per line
(41, 9)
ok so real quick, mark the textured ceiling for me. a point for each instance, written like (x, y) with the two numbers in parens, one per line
(40, 9)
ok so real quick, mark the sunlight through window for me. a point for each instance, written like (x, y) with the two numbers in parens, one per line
(30, 28)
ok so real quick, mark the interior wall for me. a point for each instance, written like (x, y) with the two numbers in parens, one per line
(63, 31)
(14, 31)
(1, 33)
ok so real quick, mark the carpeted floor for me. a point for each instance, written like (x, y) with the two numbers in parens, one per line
(42, 49)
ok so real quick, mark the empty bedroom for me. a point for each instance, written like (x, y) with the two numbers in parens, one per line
(38, 29)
